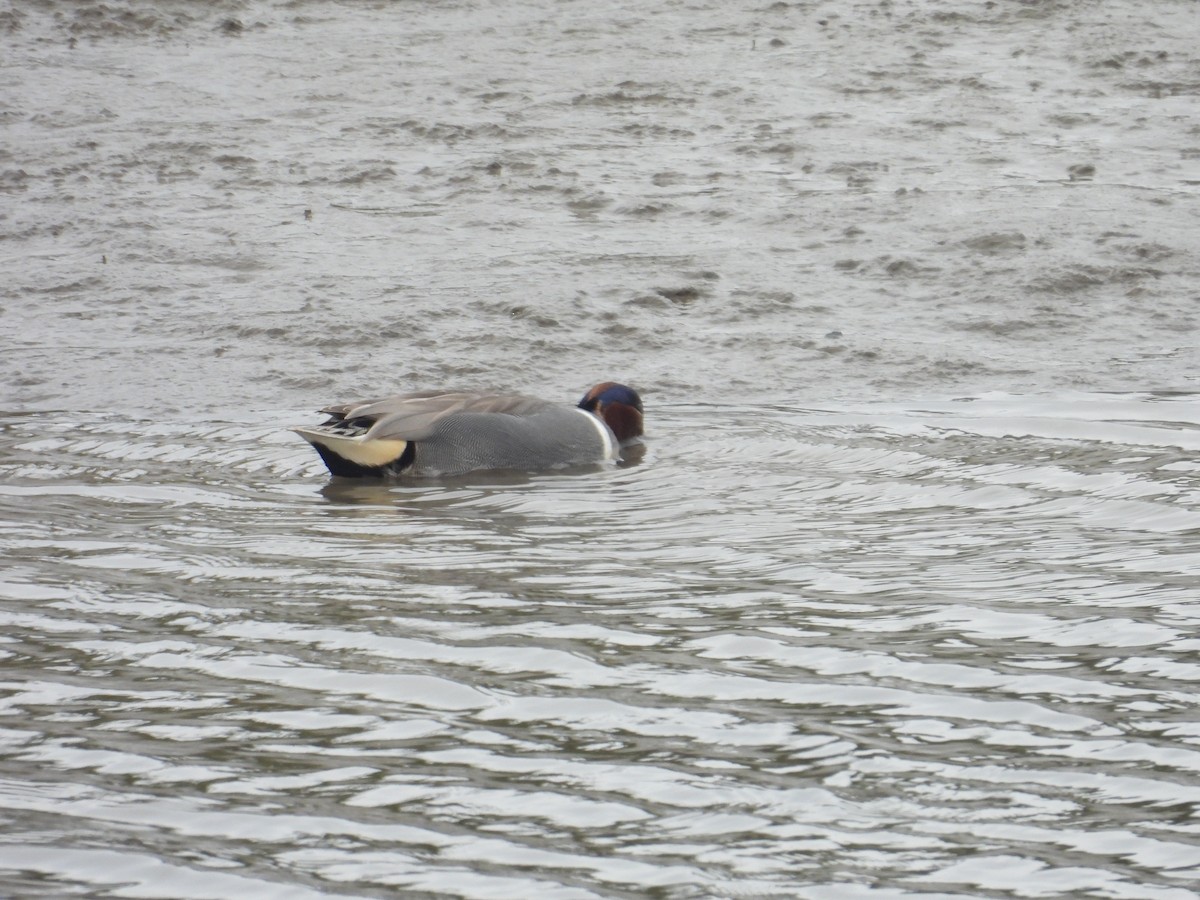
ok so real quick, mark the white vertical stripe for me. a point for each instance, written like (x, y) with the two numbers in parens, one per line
(611, 448)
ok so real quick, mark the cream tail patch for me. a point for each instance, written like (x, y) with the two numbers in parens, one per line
(360, 449)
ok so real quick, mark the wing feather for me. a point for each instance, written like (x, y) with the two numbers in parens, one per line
(413, 417)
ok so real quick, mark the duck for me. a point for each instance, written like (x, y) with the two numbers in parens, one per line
(435, 433)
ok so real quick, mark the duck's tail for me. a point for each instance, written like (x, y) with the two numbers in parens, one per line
(348, 452)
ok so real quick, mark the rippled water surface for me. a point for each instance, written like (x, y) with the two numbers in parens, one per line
(899, 599)
(949, 651)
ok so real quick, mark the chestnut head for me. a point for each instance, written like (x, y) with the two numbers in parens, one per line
(618, 406)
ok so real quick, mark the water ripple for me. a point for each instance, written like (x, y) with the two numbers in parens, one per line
(790, 649)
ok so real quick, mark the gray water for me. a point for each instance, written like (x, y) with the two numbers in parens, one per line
(899, 599)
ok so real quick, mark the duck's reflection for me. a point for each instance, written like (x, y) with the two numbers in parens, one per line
(403, 492)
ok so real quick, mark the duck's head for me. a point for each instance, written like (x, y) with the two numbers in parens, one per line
(617, 406)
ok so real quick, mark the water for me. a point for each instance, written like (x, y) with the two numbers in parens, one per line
(947, 651)
(898, 600)
(724, 205)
